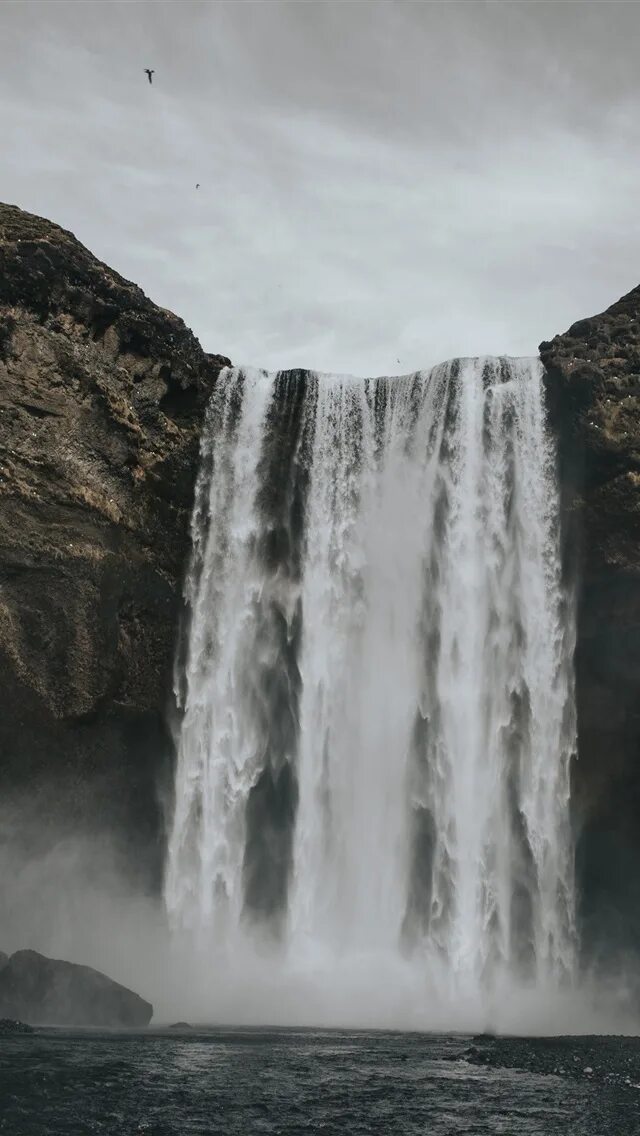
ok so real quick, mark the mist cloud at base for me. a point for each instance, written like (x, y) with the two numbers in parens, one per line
(74, 903)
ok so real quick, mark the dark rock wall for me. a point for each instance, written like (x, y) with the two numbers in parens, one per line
(593, 382)
(101, 400)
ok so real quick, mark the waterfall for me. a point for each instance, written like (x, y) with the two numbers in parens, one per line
(377, 692)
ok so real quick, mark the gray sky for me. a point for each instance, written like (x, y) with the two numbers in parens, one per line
(378, 180)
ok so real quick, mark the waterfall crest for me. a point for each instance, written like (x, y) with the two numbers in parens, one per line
(377, 692)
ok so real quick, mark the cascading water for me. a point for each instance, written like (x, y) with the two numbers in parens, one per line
(377, 695)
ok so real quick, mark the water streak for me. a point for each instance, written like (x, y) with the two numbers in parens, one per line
(377, 696)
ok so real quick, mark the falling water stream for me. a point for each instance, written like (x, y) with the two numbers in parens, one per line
(377, 693)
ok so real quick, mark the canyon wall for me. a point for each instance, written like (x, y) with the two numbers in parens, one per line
(593, 384)
(101, 400)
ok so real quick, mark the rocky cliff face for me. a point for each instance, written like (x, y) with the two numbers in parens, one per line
(593, 381)
(101, 399)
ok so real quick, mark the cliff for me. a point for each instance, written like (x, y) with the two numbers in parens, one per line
(101, 399)
(593, 382)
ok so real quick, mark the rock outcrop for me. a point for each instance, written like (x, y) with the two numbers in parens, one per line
(9, 1027)
(44, 991)
(101, 400)
(593, 382)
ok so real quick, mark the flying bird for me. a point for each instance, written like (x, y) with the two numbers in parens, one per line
(149, 74)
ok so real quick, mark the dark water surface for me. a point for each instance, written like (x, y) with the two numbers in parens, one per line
(243, 1082)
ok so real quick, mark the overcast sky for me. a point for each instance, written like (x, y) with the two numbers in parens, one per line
(379, 181)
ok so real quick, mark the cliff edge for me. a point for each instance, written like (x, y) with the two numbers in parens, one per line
(593, 384)
(102, 395)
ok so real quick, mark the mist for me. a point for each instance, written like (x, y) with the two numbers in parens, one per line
(75, 903)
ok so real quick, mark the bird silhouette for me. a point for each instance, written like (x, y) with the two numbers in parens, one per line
(149, 74)
(197, 185)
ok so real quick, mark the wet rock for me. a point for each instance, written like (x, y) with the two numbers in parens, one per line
(44, 991)
(10, 1026)
(102, 395)
(593, 384)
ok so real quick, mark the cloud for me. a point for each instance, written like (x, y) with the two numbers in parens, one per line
(378, 182)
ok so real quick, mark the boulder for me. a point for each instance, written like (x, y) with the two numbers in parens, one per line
(44, 991)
